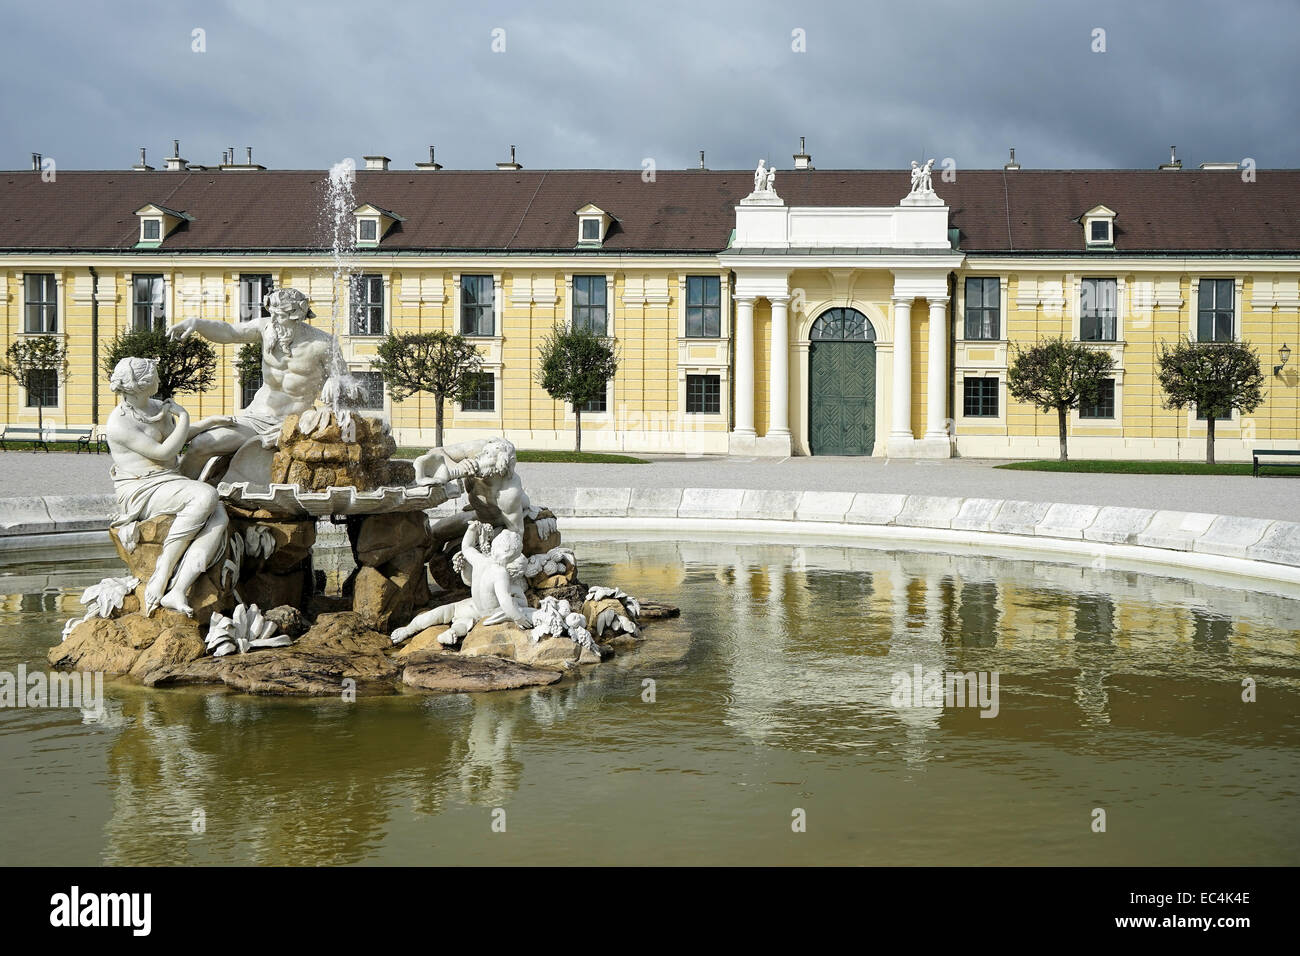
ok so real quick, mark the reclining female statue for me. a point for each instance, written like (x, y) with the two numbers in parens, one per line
(145, 436)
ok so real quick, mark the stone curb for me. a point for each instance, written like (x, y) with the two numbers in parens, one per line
(1257, 539)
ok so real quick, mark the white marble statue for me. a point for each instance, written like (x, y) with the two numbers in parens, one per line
(922, 182)
(496, 587)
(764, 178)
(145, 436)
(299, 364)
(486, 470)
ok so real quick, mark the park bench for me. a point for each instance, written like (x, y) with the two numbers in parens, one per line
(86, 438)
(1292, 453)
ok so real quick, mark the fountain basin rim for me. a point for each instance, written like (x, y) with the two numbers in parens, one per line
(295, 501)
(1217, 569)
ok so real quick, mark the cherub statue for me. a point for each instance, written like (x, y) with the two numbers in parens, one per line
(300, 363)
(486, 469)
(496, 587)
(145, 436)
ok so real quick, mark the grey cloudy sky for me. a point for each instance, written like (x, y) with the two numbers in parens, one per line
(608, 84)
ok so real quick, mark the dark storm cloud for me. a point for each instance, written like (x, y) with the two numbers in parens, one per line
(610, 84)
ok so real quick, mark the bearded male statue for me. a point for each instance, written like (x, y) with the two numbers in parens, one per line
(300, 363)
(486, 470)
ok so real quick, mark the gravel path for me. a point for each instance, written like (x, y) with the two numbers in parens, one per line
(36, 473)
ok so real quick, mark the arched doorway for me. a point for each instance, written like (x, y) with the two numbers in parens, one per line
(842, 384)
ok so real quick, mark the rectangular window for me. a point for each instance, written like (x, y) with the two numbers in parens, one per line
(41, 302)
(1214, 310)
(1100, 230)
(598, 404)
(591, 230)
(981, 398)
(43, 389)
(372, 391)
(368, 230)
(477, 301)
(483, 398)
(152, 230)
(368, 305)
(148, 302)
(1098, 310)
(703, 394)
(703, 307)
(252, 288)
(589, 309)
(983, 308)
(1105, 404)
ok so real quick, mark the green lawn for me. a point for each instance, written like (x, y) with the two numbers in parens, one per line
(572, 457)
(1136, 467)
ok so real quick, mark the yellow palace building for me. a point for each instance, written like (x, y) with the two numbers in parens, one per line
(827, 312)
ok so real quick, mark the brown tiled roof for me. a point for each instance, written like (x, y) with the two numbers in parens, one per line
(1023, 211)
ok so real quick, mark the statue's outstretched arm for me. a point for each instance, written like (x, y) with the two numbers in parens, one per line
(221, 332)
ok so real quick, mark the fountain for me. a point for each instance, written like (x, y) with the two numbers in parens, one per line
(218, 544)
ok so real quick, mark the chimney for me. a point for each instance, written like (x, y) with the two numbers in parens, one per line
(702, 167)
(1174, 163)
(432, 165)
(377, 162)
(512, 164)
(228, 163)
(36, 162)
(801, 159)
(174, 161)
(142, 166)
(1011, 164)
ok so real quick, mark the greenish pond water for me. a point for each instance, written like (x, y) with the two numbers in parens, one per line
(773, 700)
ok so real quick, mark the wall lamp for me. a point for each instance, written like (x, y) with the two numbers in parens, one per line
(1284, 354)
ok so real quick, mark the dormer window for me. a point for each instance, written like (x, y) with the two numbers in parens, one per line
(157, 223)
(1099, 227)
(374, 223)
(593, 225)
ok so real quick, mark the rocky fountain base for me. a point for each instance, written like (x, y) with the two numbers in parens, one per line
(266, 620)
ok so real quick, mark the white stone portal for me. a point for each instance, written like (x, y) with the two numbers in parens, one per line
(910, 241)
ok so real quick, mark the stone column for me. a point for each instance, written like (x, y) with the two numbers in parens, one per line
(744, 423)
(936, 386)
(901, 429)
(779, 370)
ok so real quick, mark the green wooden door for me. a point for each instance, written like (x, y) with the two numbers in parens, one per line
(842, 397)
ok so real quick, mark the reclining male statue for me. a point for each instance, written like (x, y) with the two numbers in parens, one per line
(300, 363)
(486, 469)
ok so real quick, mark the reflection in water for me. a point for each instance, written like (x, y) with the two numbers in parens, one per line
(773, 690)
